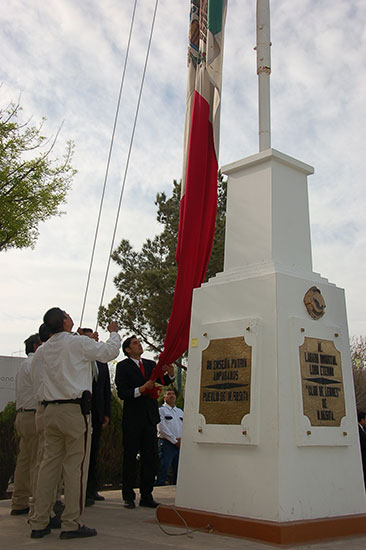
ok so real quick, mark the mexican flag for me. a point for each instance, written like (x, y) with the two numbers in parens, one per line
(200, 165)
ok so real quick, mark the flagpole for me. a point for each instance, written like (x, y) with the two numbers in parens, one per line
(263, 72)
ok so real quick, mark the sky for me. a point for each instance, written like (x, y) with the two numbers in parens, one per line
(63, 60)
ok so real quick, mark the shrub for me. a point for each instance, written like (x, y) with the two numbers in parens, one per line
(8, 447)
(109, 465)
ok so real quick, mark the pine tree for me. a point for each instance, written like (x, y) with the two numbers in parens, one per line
(146, 281)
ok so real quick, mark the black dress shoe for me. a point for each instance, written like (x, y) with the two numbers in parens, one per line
(89, 501)
(129, 504)
(82, 532)
(19, 512)
(40, 533)
(97, 496)
(149, 503)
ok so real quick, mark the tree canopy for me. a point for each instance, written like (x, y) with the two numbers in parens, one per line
(31, 187)
(358, 357)
(146, 281)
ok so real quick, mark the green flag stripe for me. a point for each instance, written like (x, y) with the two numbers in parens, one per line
(214, 16)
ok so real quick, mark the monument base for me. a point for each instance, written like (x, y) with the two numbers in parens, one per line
(281, 533)
(270, 441)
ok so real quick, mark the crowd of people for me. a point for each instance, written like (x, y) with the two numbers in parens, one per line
(63, 396)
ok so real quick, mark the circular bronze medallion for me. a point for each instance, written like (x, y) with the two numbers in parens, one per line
(314, 303)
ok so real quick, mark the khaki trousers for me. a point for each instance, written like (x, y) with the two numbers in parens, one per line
(26, 428)
(41, 437)
(66, 449)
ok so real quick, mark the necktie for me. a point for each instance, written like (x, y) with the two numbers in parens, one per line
(142, 369)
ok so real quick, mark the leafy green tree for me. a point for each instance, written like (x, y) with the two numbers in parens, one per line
(31, 187)
(146, 281)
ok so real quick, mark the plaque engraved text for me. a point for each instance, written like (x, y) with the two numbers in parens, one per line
(225, 381)
(322, 382)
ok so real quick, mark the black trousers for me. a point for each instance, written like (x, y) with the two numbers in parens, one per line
(139, 438)
(92, 485)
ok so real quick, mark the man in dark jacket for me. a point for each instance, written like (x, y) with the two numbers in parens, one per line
(140, 418)
(362, 433)
(101, 412)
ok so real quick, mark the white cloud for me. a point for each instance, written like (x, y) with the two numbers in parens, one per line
(66, 59)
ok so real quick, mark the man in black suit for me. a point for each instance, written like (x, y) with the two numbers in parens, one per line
(101, 412)
(362, 433)
(140, 418)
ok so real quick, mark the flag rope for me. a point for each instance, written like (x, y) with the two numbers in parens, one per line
(108, 164)
(128, 156)
(127, 161)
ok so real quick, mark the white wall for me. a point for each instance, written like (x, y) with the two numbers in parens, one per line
(8, 369)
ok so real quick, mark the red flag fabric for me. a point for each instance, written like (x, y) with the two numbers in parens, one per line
(199, 189)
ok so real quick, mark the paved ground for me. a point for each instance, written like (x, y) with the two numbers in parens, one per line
(137, 529)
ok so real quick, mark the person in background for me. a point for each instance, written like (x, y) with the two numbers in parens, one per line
(361, 416)
(101, 412)
(170, 435)
(26, 428)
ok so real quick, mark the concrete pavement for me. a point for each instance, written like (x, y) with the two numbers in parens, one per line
(137, 529)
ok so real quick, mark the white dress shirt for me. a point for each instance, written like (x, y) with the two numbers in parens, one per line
(137, 390)
(61, 367)
(171, 423)
(24, 393)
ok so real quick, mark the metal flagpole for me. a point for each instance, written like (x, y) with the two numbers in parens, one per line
(263, 72)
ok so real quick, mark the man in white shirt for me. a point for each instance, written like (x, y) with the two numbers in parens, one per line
(26, 429)
(170, 434)
(44, 334)
(65, 363)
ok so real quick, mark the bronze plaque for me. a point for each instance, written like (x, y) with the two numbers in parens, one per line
(322, 382)
(225, 381)
(314, 303)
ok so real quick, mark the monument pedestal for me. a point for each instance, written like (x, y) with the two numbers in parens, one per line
(270, 442)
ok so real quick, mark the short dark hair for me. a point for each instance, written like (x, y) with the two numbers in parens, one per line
(361, 416)
(44, 332)
(54, 319)
(30, 342)
(171, 389)
(126, 344)
(89, 330)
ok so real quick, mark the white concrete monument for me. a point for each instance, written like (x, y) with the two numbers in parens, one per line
(270, 442)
